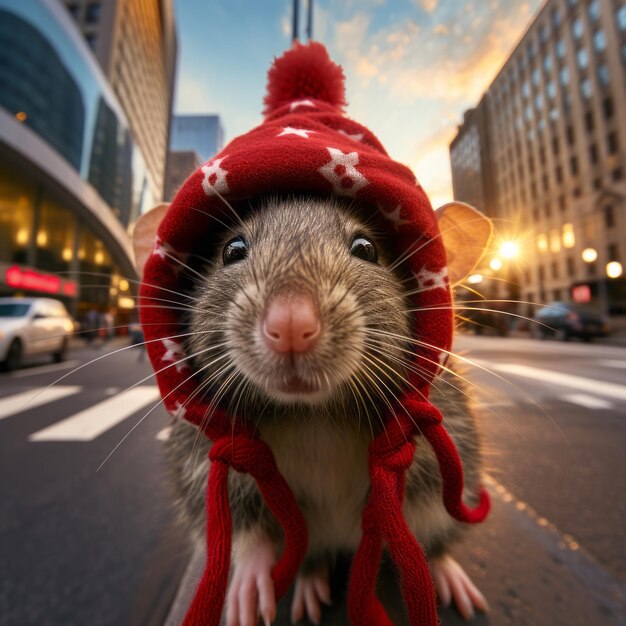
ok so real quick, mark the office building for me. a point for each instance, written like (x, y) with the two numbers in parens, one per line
(202, 134)
(135, 43)
(72, 176)
(555, 152)
(180, 164)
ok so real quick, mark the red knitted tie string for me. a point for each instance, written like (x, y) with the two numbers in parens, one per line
(391, 453)
(244, 454)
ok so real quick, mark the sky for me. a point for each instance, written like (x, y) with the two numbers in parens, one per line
(412, 66)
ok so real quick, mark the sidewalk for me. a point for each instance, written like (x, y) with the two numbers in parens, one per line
(530, 574)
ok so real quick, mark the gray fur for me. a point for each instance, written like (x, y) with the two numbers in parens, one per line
(321, 445)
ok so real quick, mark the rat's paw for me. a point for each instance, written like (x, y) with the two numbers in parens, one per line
(251, 593)
(311, 589)
(452, 583)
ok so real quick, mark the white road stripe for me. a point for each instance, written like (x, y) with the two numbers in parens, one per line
(92, 422)
(579, 383)
(589, 402)
(42, 369)
(27, 400)
(613, 363)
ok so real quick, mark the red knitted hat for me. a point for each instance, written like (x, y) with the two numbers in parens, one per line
(306, 144)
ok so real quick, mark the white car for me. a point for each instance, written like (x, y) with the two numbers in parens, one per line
(32, 326)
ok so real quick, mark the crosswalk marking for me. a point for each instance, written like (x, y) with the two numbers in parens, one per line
(92, 422)
(579, 383)
(589, 402)
(613, 363)
(33, 398)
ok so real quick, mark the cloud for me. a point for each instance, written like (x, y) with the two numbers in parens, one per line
(428, 5)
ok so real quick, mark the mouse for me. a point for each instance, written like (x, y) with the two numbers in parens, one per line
(295, 314)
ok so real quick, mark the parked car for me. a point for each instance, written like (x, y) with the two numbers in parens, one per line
(32, 326)
(563, 320)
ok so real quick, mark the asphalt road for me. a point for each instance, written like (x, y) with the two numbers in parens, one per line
(82, 546)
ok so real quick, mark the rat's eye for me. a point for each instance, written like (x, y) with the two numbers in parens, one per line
(235, 250)
(363, 248)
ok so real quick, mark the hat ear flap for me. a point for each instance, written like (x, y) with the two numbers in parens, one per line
(144, 234)
(465, 233)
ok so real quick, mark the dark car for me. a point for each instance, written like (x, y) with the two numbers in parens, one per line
(563, 320)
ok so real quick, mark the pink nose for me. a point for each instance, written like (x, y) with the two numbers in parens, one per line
(291, 324)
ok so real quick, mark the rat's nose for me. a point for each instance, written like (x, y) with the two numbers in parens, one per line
(291, 324)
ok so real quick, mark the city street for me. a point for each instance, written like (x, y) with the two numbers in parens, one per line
(82, 546)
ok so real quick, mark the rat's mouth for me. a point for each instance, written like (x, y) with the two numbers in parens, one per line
(296, 385)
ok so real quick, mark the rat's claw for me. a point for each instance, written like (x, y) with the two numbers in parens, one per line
(251, 593)
(310, 590)
(452, 583)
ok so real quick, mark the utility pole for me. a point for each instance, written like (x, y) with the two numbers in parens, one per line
(296, 20)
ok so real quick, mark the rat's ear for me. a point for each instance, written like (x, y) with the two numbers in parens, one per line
(466, 233)
(144, 234)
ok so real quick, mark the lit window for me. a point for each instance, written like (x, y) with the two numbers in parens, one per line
(569, 239)
(542, 243)
(560, 48)
(586, 88)
(555, 240)
(583, 58)
(594, 10)
(578, 28)
(599, 41)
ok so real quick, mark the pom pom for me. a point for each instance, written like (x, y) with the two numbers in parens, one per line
(305, 71)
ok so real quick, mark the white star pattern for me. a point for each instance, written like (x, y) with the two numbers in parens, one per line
(179, 412)
(167, 253)
(355, 136)
(174, 353)
(340, 171)
(214, 181)
(395, 219)
(300, 103)
(301, 132)
(427, 281)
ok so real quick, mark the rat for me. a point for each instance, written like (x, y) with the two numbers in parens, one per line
(297, 309)
(300, 323)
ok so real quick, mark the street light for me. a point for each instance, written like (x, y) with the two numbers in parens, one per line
(495, 264)
(614, 269)
(589, 255)
(509, 249)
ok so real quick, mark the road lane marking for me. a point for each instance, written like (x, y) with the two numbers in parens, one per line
(97, 419)
(589, 402)
(579, 383)
(27, 400)
(42, 369)
(613, 363)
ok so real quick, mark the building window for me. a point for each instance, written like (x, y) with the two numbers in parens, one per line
(556, 17)
(597, 183)
(554, 267)
(526, 89)
(612, 252)
(571, 270)
(92, 16)
(558, 174)
(573, 166)
(617, 174)
(620, 14)
(562, 204)
(564, 76)
(560, 49)
(576, 192)
(612, 143)
(545, 182)
(609, 216)
(583, 58)
(536, 77)
(593, 154)
(578, 28)
(603, 74)
(591, 269)
(607, 108)
(542, 274)
(599, 41)
(551, 90)
(92, 40)
(589, 123)
(571, 138)
(544, 33)
(74, 10)
(594, 10)
(539, 102)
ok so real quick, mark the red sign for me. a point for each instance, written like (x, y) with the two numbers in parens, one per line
(581, 294)
(23, 278)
